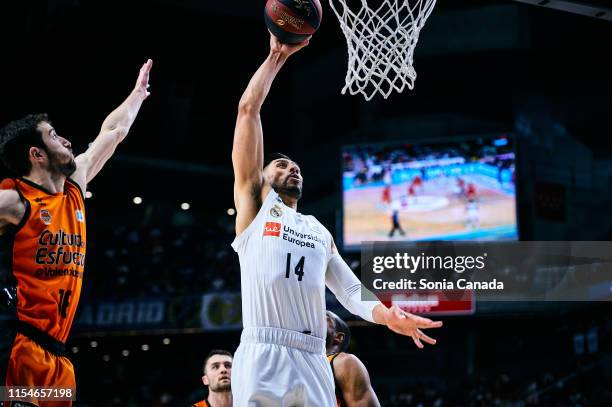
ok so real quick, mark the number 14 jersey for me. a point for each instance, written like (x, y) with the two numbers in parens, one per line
(283, 259)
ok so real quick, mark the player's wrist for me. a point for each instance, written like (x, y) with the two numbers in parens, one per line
(381, 314)
(277, 57)
(140, 93)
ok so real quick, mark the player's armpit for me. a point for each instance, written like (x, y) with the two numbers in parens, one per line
(248, 200)
(82, 169)
(354, 381)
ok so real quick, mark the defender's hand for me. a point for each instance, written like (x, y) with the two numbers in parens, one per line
(276, 47)
(404, 323)
(142, 83)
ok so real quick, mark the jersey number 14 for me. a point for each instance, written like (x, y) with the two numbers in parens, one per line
(299, 267)
(63, 303)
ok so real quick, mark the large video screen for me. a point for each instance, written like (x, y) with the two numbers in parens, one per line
(461, 190)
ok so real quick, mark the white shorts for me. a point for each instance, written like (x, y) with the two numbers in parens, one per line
(276, 367)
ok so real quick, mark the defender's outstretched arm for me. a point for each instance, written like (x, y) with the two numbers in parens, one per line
(114, 129)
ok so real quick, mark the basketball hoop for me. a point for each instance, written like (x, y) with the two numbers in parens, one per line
(381, 42)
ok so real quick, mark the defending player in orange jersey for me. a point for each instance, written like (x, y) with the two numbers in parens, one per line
(43, 239)
(351, 378)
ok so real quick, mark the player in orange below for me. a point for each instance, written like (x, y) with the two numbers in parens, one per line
(43, 239)
(218, 378)
(351, 378)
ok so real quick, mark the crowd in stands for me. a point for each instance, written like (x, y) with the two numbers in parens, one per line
(371, 163)
(161, 260)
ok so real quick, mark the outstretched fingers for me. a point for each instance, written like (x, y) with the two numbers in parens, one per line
(426, 323)
(417, 342)
(146, 67)
(425, 338)
(143, 76)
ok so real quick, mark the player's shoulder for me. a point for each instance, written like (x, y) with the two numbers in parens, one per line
(8, 184)
(319, 227)
(347, 362)
(77, 183)
(8, 194)
(348, 368)
(12, 209)
(346, 358)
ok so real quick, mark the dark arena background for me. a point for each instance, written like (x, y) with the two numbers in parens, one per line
(162, 286)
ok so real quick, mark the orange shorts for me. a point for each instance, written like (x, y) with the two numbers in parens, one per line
(31, 365)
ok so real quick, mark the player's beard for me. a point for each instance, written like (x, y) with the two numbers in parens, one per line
(329, 340)
(292, 191)
(57, 167)
(221, 387)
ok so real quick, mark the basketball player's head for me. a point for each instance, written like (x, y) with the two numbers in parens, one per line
(338, 334)
(32, 144)
(284, 175)
(218, 371)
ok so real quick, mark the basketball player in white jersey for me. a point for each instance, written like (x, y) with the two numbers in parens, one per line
(286, 260)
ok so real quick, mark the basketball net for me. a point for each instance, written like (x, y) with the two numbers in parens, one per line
(381, 42)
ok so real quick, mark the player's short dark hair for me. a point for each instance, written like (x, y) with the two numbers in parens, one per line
(342, 326)
(213, 353)
(16, 139)
(275, 156)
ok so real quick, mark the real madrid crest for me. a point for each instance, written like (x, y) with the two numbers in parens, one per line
(276, 211)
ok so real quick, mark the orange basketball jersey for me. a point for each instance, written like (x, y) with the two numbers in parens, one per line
(48, 256)
(339, 397)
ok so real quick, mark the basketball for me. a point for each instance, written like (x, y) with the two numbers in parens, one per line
(293, 21)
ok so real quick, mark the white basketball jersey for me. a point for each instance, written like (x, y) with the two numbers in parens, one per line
(283, 259)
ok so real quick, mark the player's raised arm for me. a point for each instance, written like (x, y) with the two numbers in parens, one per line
(248, 150)
(114, 129)
(343, 283)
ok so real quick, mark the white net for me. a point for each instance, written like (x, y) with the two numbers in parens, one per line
(381, 41)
